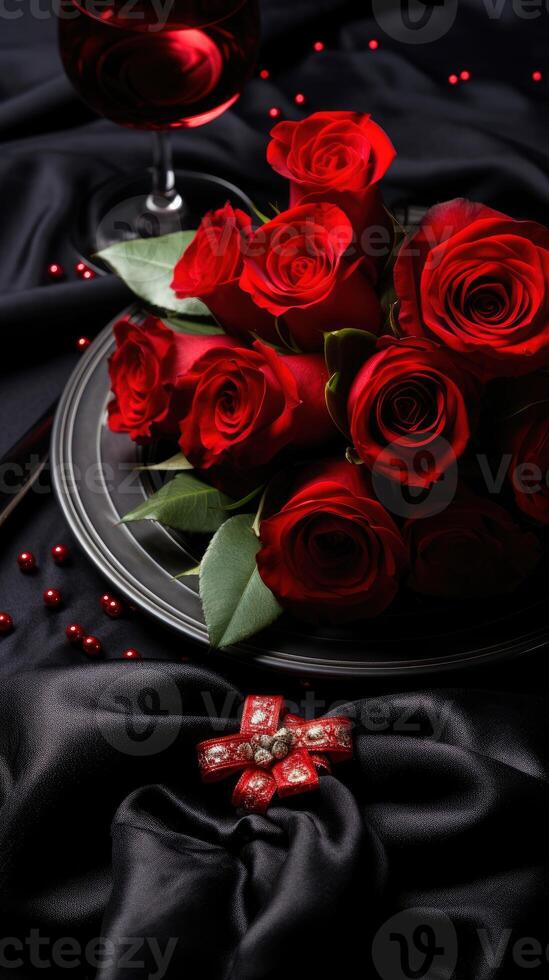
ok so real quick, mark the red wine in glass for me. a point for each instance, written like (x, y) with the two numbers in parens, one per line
(150, 74)
(158, 65)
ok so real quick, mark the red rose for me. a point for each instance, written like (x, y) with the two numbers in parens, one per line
(476, 281)
(332, 552)
(524, 434)
(210, 269)
(143, 372)
(241, 408)
(295, 268)
(334, 156)
(410, 410)
(471, 549)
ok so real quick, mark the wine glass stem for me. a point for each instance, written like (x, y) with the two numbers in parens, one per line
(164, 196)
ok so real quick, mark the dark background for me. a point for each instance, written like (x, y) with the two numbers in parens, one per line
(459, 824)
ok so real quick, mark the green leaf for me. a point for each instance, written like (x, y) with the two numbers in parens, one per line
(257, 520)
(283, 332)
(352, 456)
(236, 601)
(186, 504)
(177, 462)
(259, 214)
(146, 265)
(198, 327)
(389, 299)
(345, 352)
(190, 571)
(239, 504)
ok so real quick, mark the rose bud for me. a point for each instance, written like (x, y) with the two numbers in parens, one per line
(471, 549)
(143, 372)
(476, 280)
(240, 408)
(331, 552)
(210, 269)
(524, 435)
(338, 157)
(410, 410)
(296, 268)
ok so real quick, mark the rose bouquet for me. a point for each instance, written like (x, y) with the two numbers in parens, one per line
(347, 400)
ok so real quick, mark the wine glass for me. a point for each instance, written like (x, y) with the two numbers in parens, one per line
(158, 66)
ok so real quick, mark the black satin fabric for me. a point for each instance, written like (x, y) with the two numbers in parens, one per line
(106, 831)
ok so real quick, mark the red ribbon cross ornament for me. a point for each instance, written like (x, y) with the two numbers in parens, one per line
(277, 751)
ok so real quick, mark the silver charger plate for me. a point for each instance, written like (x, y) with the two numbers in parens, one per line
(97, 481)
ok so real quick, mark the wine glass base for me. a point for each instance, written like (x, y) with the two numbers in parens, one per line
(120, 210)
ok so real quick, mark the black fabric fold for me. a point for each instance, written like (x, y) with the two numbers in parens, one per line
(437, 814)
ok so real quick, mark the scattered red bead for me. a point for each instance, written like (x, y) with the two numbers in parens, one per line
(6, 623)
(56, 271)
(275, 112)
(60, 554)
(105, 598)
(300, 99)
(75, 633)
(373, 44)
(319, 46)
(83, 342)
(264, 74)
(26, 561)
(113, 608)
(537, 76)
(52, 598)
(92, 646)
(465, 76)
(453, 79)
(83, 271)
(131, 654)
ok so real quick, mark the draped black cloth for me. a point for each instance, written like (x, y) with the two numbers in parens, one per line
(115, 861)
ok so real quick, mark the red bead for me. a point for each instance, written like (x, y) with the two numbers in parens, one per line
(299, 99)
(537, 76)
(26, 561)
(105, 598)
(60, 554)
(56, 271)
(453, 79)
(83, 342)
(373, 44)
(52, 598)
(75, 633)
(6, 623)
(83, 271)
(274, 112)
(465, 76)
(264, 74)
(319, 46)
(131, 654)
(113, 608)
(92, 646)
